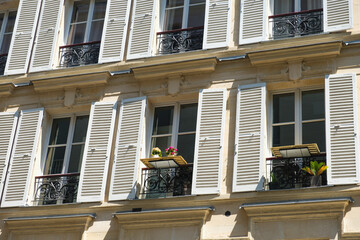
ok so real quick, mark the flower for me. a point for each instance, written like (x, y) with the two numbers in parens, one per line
(156, 151)
(171, 150)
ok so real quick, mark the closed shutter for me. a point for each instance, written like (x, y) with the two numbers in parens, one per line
(95, 164)
(115, 30)
(209, 142)
(253, 21)
(250, 138)
(47, 35)
(127, 152)
(142, 30)
(342, 141)
(338, 15)
(23, 37)
(217, 23)
(22, 158)
(8, 122)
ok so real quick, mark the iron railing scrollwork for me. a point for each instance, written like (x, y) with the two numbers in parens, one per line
(182, 40)
(3, 59)
(79, 54)
(165, 182)
(56, 189)
(297, 24)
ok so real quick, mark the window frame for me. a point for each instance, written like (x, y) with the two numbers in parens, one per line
(4, 24)
(297, 7)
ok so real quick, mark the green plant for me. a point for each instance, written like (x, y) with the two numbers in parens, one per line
(315, 168)
(156, 151)
(171, 150)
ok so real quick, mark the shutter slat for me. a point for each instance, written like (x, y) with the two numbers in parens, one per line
(338, 15)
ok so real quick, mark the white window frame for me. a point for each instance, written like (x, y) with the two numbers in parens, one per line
(298, 122)
(4, 24)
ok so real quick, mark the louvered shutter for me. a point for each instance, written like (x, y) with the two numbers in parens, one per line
(47, 35)
(342, 141)
(217, 23)
(8, 122)
(338, 15)
(209, 142)
(22, 158)
(250, 138)
(115, 30)
(23, 37)
(142, 30)
(127, 152)
(95, 164)
(253, 21)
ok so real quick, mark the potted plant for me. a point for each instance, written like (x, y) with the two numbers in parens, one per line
(315, 170)
(171, 151)
(156, 152)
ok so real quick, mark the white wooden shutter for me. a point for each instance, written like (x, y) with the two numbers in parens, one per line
(342, 140)
(209, 142)
(250, 137)
(253, 21)
(23, 37)
(217, 23)
(47, 35)
(22, 158)
(95, 164)
(8, 122)
(115, 31)
(338, 15)
(142, 29)
(127, 152)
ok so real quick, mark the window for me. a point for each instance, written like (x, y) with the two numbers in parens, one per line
(298, 118)
(175, 126)
(7, 21)
(290, 6)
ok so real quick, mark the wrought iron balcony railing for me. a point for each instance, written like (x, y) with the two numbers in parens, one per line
(79, 54)
(56, 189)
(181, 40)
(297, 24)
(3, 59)
(166, 182)
(286, 173)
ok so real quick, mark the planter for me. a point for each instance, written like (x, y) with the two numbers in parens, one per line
(172, 155)
(155, 156)
(315, 181)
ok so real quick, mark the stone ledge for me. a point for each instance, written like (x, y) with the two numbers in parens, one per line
(6, 89)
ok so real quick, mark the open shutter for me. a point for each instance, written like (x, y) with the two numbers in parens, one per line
(115, 30)
(342, 141)
(8, 122)
(250, 138)
(23, 37)
(142, 30)
(95, 164)
(209, 142)
(47, 35)
(217, 23)
(338, 15)
(127, 152)
(22, 158)
(253, 21)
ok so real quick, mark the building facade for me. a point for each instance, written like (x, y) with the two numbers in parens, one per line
(250, 92)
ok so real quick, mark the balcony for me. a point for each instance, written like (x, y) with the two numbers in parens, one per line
(56, 189)
(79, 54)
(297, 24)
(181, 40)
(166, 182)
(3, 58)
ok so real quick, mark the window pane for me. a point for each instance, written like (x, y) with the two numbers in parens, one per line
(77, 33)
(310, 4)
(186, 146)
(76, 158)
(188, 115)
(80, 129)
(196, 1)
(10, 22)
(55, 159)
(1, 19)
(314, 133)
(96, 30)
(283, 108)
(283, 6)
(173, 19)
(162, 143)
(99, 9)
(59, 131)
(313, 106)
(283, 135)
(163, 120)
(6, 43)
(196, 16)
(174, 3)
(80, 11)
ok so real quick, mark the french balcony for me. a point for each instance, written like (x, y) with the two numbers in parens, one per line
(79, 54)
(3, 59)
(180, 40)
(296, 24)
(287, 173)
(166, 182)
(56, 189)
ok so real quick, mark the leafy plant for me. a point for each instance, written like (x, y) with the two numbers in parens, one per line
(315, 168)
(156, 151)
(171, 150)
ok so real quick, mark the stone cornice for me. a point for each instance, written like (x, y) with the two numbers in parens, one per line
(6, 89)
